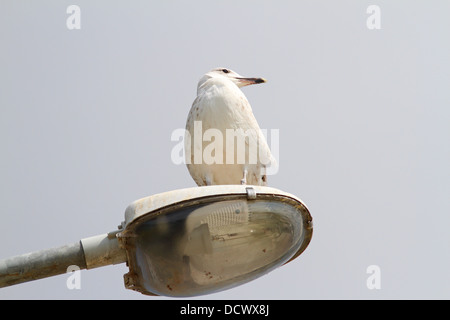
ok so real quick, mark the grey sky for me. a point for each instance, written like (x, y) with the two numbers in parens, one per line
(86, 118)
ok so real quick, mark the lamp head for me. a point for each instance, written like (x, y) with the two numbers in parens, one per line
(202, 240)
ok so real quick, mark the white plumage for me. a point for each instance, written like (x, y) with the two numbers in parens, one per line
(221, 129)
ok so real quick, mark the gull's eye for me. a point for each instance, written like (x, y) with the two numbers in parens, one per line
(225, 70)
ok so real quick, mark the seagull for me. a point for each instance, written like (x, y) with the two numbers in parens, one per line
(223, 142)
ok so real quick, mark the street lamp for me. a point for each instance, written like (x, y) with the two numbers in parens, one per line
(186, 242)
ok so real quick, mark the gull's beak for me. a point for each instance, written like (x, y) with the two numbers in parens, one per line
(241, 82)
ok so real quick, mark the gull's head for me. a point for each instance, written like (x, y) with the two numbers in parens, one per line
(225, 74)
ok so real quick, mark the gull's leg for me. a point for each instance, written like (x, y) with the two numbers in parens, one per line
(244, 179)
(263, 176)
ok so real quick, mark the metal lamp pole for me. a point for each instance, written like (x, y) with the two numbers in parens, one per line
(88, 253)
